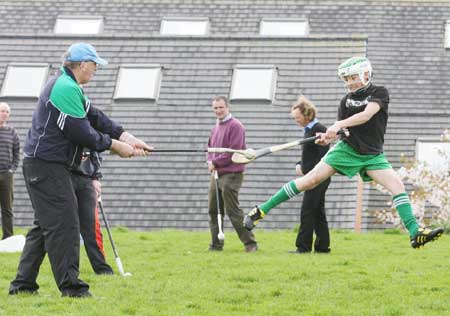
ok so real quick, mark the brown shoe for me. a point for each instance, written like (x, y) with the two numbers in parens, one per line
(251, 248)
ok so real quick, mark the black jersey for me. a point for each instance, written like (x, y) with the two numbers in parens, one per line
(367, 138)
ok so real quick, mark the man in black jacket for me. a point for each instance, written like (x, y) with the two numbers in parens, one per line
(63, 123)
(312, 217)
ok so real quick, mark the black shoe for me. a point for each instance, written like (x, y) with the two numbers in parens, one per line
(252, 218)
(215, 248)
(425, 235)
(321, 251)
(83, 294)
(23, 291)
(105, 272)
(251, 248)
(299, 251)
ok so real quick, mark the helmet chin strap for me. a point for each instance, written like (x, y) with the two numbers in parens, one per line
(365, 83)
(362, 89)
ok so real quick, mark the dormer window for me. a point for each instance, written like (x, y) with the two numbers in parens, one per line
(185, 26)
(138, 82)
(78, 25)
(253, 82)
(24, 80)
(284, 27)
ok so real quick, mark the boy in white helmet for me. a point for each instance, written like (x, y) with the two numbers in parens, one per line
(364, 112)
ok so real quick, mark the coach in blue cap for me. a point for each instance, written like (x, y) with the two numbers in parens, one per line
(63, 123)
(84, 52)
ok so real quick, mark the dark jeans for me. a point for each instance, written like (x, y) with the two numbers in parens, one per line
(229, 186)
(89, 223)
(56, 229)
(6, 201)
(314, 220)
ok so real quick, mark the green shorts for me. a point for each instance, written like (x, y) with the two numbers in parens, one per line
(347, 161)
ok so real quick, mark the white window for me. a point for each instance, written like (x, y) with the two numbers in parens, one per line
(24, 80)
(185, 26)
(433, 153)
(289, 27)
(253, 82)
(447, 34)
(138, 82)
(79, 25)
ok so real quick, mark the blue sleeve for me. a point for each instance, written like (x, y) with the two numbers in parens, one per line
(103, 123)
(80, 132)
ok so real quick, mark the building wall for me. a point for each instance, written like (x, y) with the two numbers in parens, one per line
(403, 39)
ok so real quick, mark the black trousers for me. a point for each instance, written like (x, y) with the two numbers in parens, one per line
(229, 186)
(6, 201)
(56, 229)
(314, 220)
(90, 224)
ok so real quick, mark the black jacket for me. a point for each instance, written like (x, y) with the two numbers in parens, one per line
(311, 152)
(90, 165)
(64, 122)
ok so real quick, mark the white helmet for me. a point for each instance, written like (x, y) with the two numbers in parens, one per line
(356, 66)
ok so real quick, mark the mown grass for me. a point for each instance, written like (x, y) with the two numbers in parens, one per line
(174, 274)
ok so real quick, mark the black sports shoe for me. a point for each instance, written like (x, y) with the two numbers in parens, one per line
(252, 218)
(104, 272)
(215, 248)
(425, 235)
(22, 291)
(251, 248)
(75, 294)
(299, 251)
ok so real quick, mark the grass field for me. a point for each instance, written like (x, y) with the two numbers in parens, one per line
(174, 274)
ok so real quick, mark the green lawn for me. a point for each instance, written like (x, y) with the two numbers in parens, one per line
(173, 274)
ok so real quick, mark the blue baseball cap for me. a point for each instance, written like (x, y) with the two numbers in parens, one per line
(84, 52)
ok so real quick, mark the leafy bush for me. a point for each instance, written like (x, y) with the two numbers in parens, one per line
(430, 197)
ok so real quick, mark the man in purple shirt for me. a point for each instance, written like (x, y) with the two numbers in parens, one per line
(229, 133)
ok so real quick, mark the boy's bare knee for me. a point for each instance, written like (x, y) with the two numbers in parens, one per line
(308, 182)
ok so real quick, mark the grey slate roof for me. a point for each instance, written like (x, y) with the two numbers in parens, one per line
(404, 42)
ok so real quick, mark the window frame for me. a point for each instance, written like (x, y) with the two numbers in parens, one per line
(447, 34)
(156, 87)
(443, 145)
(4, 88)
(273, 83)
(187, 20)
(79, 18)
(286, 20)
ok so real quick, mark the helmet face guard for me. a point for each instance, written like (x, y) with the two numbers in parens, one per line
(356, 66)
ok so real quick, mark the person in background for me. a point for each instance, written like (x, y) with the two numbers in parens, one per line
(86, 181)
(229, 133)
(9, 161)
(313, 219)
